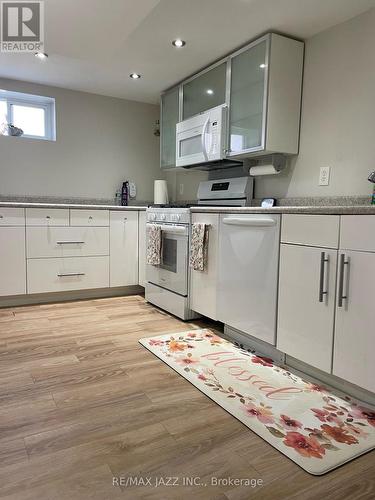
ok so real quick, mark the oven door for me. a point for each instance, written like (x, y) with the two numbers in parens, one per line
(172, 273)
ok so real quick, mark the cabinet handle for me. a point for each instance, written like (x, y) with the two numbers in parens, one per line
(343, 263)
(323, 260)
(70, 242)
(62, 275)
(1, 217)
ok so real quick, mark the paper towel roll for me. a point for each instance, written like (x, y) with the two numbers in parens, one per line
(263, 170)
(160, 192)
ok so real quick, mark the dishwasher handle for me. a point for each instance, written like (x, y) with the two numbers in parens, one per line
(252, 222)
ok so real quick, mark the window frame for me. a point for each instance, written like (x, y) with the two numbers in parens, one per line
(32, 101)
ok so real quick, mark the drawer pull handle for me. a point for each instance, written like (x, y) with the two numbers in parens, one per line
(62, 275)
(48, 216)
(70, 242)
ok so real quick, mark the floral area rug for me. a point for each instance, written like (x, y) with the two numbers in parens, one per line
(306, 422)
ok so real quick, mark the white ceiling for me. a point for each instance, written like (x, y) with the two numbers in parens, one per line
(94, 45)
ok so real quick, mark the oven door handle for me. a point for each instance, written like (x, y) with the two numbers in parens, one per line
(169, 229)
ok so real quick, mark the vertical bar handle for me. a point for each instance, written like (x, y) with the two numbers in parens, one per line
(343, 263)
(323, 260)
(204, 131)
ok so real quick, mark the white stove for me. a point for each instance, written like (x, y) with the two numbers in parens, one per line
(167, 285)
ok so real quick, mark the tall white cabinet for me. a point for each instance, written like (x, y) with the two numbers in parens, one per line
(12, 252)
(203, 284)
(354, 332)
(123, 248)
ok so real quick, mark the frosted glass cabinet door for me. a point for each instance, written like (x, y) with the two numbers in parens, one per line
(169, 120)
(205, 91)
(248, 82)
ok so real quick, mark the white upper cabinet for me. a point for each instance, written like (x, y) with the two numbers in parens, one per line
(204, 91)
(265, 97)
(169, 117)
(262, 86)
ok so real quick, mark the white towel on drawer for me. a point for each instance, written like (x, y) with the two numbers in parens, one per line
(153, 253)
(199, 246)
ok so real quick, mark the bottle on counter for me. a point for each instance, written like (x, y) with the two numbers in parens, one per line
(125, 194)
(371, 178)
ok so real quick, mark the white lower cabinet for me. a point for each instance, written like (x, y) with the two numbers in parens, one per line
(142, 248)
(123, 248)
(65, 274)
(306, 308)
(12, 261)
(354, 345)
(203, 284)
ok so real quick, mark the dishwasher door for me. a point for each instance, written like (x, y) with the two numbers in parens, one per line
(248, 273)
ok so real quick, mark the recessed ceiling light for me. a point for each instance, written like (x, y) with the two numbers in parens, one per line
(262, 66)
(178, 43)
(135, 76)
(209, 92)
(41, 55)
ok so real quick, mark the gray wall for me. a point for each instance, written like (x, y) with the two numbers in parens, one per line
(101, 141)
(338, 110)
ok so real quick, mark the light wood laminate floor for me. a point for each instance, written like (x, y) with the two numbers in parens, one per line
(82, 403)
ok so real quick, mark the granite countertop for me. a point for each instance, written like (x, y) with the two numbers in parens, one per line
(17, 204)
(312, 209)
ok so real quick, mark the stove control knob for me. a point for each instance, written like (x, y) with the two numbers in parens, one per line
(163, 217)
(178, 217)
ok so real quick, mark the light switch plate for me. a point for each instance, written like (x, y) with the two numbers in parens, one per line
(324, 176)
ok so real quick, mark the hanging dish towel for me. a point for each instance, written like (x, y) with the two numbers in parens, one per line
(153, 245)
(199, 245)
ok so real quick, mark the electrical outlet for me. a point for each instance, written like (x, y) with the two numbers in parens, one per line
(324, 176)
(181, 189)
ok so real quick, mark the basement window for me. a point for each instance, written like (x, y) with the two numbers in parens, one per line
(27, 115)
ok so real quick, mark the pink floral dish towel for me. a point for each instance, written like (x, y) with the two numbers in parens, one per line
(153, 254)
(199, 246)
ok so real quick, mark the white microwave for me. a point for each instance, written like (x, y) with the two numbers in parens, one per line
(202, 138)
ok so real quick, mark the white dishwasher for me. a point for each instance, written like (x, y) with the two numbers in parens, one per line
(248, 273)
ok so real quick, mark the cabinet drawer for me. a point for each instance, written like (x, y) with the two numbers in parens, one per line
(312, 230)
(74, 273)
(47, 217)
(89, 217)
(12, 216)
(358, 232)
(66, 241)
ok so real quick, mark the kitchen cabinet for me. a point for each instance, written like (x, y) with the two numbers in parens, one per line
(354, 329)
(307, 287)
(306, 307)
(142, 248)
(12, 259)
(169, 117)
(67, 274)
(204, 91)
(248, 272)
(265, 97)
(203, 284)
(123, 248)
